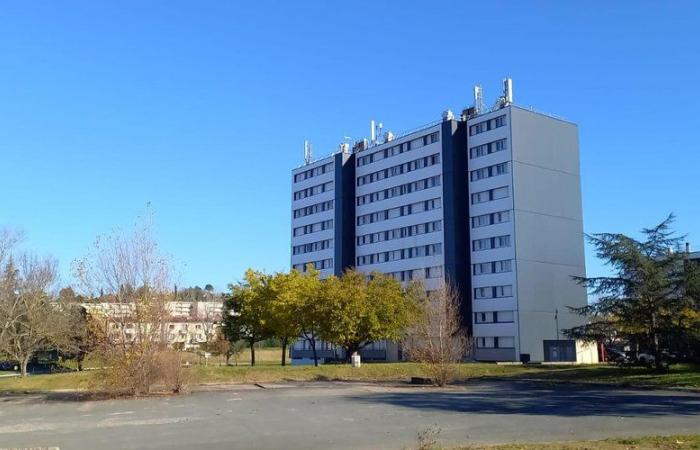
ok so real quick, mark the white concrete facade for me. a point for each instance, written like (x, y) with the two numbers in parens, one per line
(544, 229)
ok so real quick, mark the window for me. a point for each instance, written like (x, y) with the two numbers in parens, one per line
(398, 149)
(491, 194)
(490, 219)
(433, 272)
(477, 129)
(313, 209)
(493, 317)
(503, 291)
(480, 221)
(490, 171)
(313, 190)
(318, 265)
(396, 255)
(402, 275)
(498, 193)
(312, 247)
(483, 317)
(491, 243)
(387, 214)
(432, 138)
(487, 125)
(481, 197)
(399, 169)
(492, 267)
(485, 342)
(495, 342)
(399, 190)
(398, 233)
(313, 228)
(487, 149)
(412, 274)
(310, 173)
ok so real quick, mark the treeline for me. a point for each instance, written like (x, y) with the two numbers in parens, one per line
(31, 321)
(349, 311)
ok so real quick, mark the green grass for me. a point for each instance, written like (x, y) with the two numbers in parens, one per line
(52, 382)
(269, 371)
(339, 372)
(644, 443)
(679, 375)
(263, 356)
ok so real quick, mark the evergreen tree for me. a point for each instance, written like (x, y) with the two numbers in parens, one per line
(647, 295)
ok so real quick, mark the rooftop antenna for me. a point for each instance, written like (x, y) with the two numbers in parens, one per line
(375, 132)
(508, 91)
(308, 153)
(478, 99)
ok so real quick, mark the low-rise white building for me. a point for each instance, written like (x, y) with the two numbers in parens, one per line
(187, 324)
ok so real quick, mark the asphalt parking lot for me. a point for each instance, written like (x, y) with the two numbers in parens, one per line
(352, 416)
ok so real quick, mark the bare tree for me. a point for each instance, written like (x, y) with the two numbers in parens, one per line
(208, 315)
(131, 279)
(439, 340)
(9, 238)
(31, 320)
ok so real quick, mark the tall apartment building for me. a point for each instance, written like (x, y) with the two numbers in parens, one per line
(322, 211)
(490, 201)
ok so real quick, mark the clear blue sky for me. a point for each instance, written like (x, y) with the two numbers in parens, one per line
(201, 108)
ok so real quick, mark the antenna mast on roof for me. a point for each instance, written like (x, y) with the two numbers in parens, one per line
(478, 99)
(308, 154)
(508, 90)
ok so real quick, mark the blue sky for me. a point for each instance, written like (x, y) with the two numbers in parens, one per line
(201, 109)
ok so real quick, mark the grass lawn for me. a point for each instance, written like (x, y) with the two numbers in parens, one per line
(268, 373)
(679, 375)
(269, 370)
(263, 356)
(339, 372)
(645, 443)
(52, 382)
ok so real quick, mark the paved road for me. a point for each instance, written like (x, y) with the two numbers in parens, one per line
(352, 416)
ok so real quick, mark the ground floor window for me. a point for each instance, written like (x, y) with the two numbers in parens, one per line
(559, 350)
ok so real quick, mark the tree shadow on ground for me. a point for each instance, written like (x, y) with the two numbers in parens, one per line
(542, 399)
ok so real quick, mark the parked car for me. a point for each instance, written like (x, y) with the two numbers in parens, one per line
(616, 356)
(648, 359)
(8, 365)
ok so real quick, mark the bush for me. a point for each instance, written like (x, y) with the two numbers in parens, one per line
(139, 372)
